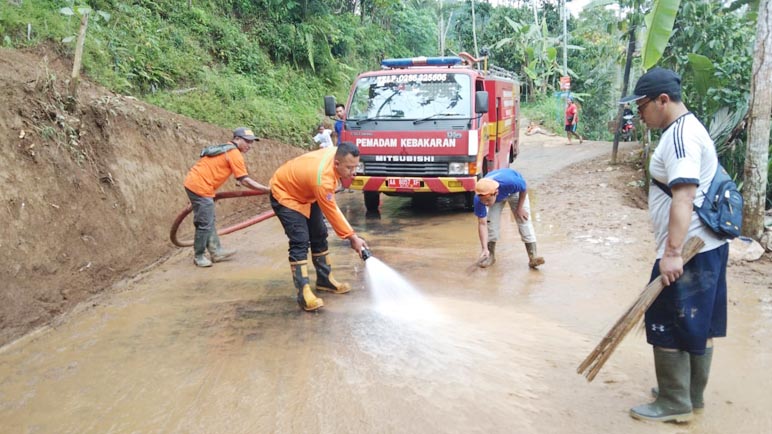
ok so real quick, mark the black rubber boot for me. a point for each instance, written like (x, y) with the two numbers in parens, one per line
(324, 279)
(199, 249)
(216, 251)
(307, 300)
(673, 402)
(534, 260)
(491, 259)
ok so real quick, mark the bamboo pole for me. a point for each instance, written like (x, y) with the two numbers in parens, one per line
(601, 353)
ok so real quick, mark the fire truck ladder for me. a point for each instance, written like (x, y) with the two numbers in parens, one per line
(504, 73)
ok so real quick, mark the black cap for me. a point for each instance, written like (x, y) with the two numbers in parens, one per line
(244, 133)
(654, 83)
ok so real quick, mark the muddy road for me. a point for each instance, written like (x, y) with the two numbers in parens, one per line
(449, 349)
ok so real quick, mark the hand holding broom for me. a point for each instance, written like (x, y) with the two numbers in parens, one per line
(598, 357)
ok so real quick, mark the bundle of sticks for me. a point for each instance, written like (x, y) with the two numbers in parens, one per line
(598, 357)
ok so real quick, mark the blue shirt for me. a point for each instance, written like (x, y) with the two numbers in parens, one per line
(338, 129)
(510, 182)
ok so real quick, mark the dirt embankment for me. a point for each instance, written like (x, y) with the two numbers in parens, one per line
(89, 192)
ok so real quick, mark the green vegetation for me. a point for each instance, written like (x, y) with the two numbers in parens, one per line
(263, 63)
(268, 63)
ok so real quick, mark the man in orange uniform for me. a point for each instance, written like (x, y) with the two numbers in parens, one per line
(302, 190)
(215, 166)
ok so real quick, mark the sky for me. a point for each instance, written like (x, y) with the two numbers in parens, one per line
(576, 6)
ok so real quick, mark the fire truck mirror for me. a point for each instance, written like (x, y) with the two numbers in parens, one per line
(481, 101)
(329, 105)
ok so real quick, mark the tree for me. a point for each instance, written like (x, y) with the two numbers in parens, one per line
(536, 51)
(757, 155)
(659, 25)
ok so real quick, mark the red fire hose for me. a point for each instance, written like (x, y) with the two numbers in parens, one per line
(238, 226)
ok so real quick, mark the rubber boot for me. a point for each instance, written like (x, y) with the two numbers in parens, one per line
(307, 300)
(216, 252)
(199, 249)
(324, 279)
(491, 259)
(700, 370)
(700, 366)
(533, 259)
(673, 402)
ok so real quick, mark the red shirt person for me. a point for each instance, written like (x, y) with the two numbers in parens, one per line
(572, 118)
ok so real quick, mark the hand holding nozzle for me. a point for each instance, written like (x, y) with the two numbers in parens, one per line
(360, 246)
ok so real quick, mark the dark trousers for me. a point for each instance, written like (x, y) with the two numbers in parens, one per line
(301, 231)
(692, 309)
(203, 212)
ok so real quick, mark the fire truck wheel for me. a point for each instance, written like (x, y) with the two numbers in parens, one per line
(372, 201)
(469, 201)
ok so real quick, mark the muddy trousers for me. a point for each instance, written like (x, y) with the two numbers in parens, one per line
(527, 234)
(203, 217)
(204, 222)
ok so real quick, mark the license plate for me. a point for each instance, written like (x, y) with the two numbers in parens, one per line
(403, 183)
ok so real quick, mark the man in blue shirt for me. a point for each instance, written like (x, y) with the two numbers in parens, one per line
(499, 187)
(340, 119)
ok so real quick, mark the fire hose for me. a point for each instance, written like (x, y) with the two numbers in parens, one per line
(233, 228)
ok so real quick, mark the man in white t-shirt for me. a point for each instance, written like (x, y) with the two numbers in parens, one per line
(323, 137)
(691, 309)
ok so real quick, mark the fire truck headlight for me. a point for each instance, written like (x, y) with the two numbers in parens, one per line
(458, 168)
(361, 168)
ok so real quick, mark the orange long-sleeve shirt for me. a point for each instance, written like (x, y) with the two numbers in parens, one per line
(210, 173)
(311, 178)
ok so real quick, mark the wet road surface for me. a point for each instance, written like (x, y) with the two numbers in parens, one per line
(226, 349)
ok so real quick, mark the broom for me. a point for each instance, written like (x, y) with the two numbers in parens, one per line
(626, 322)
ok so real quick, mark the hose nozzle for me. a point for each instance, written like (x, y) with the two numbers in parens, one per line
(365, 254)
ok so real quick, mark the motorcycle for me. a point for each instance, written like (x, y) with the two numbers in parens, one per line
(627, 130)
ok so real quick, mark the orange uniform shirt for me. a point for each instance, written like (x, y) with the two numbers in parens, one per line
(209, 173)
(311, 178)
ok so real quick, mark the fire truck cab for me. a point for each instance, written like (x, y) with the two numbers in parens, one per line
(430, 126)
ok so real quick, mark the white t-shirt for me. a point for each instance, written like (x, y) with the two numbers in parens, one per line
(323, 139)
(685, 154)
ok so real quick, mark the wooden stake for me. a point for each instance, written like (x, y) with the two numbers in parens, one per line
(78, 57)
(598, 357)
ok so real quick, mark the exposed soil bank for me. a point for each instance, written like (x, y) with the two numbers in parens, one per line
(89, 193)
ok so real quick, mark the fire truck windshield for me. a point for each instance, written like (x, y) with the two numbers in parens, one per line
(412, 96)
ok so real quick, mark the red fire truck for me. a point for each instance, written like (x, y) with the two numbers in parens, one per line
(430, 125)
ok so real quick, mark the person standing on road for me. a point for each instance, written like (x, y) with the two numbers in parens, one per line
(322, 137)
(340, 119)
(215, 166)
(572, 118)
(491, 193)
(691, 310)
(302, 192)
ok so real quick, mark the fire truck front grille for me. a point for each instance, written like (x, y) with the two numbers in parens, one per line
(406, 169)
